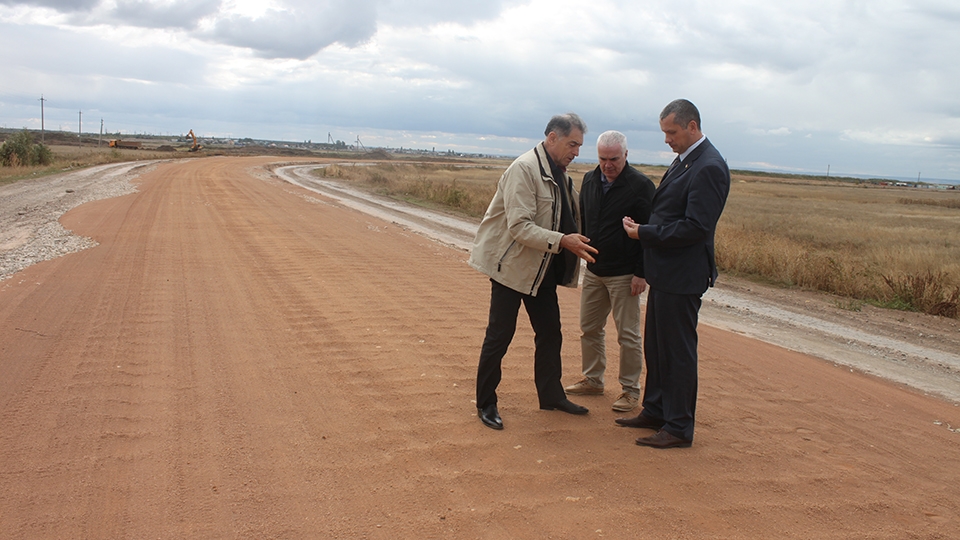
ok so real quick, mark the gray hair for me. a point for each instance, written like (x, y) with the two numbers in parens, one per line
(563, 124)
(612, 138)
(684, 111)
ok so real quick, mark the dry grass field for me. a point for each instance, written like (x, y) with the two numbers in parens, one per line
(898, 247)
(890, 246)
(464, 188)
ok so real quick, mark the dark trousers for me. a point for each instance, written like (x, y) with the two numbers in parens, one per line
(670, 351)
(544, 313)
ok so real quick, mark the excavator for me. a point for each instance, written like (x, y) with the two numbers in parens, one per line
(195, 146)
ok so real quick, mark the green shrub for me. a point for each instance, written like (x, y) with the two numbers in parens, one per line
(20, 151)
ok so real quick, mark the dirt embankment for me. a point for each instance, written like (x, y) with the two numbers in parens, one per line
(242, 357)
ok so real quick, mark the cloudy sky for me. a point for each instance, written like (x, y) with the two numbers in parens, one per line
(864, 87)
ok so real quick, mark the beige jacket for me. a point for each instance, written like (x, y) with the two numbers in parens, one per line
(519, 234)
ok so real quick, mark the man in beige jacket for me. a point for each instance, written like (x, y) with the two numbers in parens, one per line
(528, 243)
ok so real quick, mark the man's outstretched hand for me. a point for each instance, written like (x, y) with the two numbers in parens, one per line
(578, 244)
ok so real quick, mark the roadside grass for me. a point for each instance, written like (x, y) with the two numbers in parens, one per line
(860, 242)
(462, 187)
(67, 158)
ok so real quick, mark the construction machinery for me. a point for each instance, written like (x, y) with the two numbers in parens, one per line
(196, 147)
(117, 143)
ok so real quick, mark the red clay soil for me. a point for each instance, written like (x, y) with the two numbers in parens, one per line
(240, 358)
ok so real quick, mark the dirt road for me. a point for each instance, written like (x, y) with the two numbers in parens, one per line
(242, 358)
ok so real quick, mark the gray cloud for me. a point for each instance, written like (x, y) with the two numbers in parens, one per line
(426, 12)
(64, 6)
(77, 56)
(178, 14)
(294, 29)
(300, 29)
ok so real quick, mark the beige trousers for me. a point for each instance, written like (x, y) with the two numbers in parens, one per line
(599, 297)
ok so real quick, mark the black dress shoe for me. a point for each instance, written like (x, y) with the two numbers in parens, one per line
(490, 416)
(662, 439)
(566, 406)
(641, 421)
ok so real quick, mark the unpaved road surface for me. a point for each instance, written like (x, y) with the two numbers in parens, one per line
(240, 357)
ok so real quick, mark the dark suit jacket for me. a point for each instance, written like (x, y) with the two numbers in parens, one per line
(678, 241)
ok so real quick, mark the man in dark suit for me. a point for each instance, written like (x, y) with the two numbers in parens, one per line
(680, 266)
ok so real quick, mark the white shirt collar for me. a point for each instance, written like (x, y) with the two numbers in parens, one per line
(684, 155)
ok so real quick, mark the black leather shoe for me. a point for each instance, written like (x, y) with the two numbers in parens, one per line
(490, 416)
(641, 421)
(566, 406)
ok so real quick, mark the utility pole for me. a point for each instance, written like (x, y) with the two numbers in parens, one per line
(80, 129)
(41, 118)
(828, 170)
(101, 133)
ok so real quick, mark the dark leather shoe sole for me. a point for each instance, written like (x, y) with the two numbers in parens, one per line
(566, 406)
(490, 420)
(640, 421)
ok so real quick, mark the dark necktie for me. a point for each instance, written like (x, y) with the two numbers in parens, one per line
(673, 167)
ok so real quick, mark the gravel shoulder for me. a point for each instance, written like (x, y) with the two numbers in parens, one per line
(30, 209)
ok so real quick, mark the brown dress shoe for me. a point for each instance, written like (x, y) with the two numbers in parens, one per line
(662, 439)
(640, 421)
